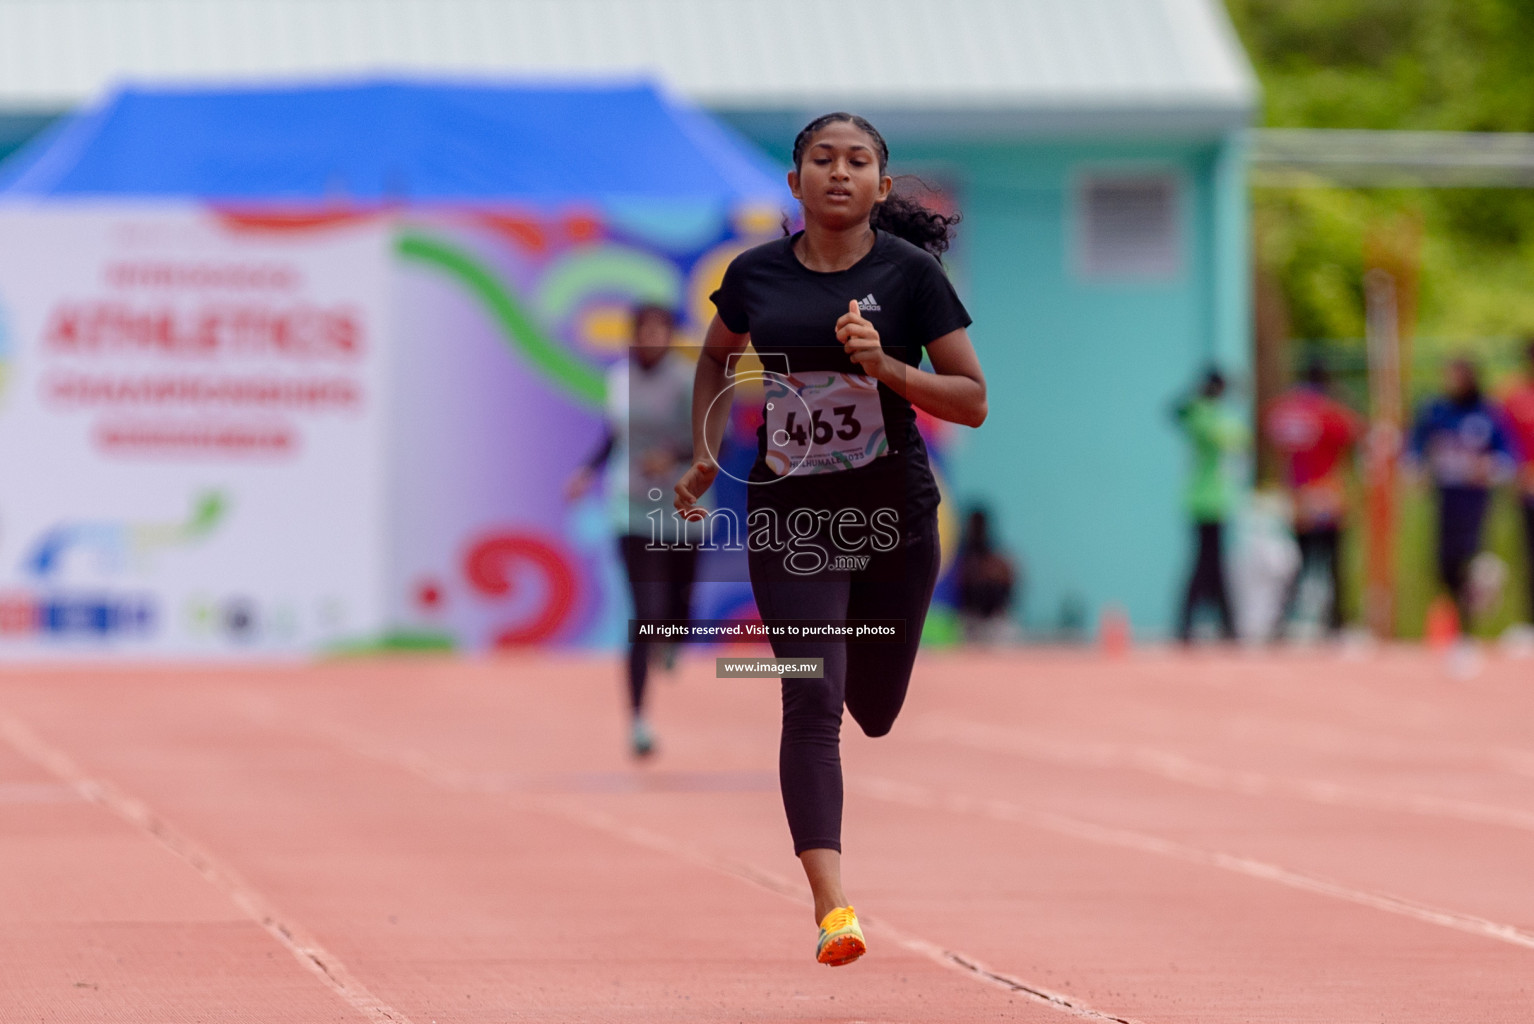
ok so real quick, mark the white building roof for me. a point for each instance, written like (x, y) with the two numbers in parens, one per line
(1011, 63)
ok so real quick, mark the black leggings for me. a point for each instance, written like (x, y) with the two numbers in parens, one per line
(661, 583)
(1207, 583)
(869, 678)
(1320, 544)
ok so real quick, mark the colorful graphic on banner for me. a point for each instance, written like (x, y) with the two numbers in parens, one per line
(5, 347)
(118, 546)
(507, 322)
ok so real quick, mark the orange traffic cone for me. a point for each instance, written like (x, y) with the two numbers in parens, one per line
(1442, 626)
(1113, 632)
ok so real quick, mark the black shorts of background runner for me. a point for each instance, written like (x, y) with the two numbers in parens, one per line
(868, 678)
(661, 583)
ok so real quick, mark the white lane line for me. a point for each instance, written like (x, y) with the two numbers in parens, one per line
(292, 937)
(796, 893)
(433, 771)
(1519, 762)
(1176, 768)
(910, 795)
(1353, 740)
(37, 793)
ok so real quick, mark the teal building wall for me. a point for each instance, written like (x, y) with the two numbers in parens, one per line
(16, 129)
(1080, 461)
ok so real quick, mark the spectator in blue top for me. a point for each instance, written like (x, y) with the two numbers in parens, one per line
(1459, 442)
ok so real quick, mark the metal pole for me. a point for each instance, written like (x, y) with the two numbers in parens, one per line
(1386, 415)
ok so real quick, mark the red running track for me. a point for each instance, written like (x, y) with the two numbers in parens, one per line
(1165, 838)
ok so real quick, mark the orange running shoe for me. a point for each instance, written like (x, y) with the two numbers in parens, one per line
(841, 938)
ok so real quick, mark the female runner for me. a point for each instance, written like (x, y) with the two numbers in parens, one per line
(841, 516)
(647, 443)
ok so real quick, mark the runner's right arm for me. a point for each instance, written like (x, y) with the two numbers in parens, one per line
(709, 418)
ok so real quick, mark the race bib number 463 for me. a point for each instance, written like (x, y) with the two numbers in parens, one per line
(822, 422)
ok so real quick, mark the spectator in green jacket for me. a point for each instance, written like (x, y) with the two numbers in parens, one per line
(1214, 433)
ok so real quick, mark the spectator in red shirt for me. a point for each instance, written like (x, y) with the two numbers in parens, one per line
(1313, 434)
(1518, 407)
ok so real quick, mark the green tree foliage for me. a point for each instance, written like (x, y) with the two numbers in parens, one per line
(1421, 65)
(1460, 65)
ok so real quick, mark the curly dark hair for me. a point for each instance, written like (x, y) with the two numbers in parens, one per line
(900, 214)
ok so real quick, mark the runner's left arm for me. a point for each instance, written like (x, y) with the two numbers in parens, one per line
(954, 390)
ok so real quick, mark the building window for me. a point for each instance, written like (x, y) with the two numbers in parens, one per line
(1128, 226)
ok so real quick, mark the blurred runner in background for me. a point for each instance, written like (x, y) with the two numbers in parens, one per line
(1313, 434)
(647, 446)
(987, 581)
(1519, 407)
(1214, 434)
(859, 293)
(1459, 442)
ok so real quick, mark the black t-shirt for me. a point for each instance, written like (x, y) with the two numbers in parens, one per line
(790, 311)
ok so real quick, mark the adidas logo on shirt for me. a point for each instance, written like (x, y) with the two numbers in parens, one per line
(869, 304)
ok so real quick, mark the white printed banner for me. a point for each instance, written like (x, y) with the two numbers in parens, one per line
(192, 430)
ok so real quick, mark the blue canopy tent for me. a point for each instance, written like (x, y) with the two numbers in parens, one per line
(394, 141)
(520, 223)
